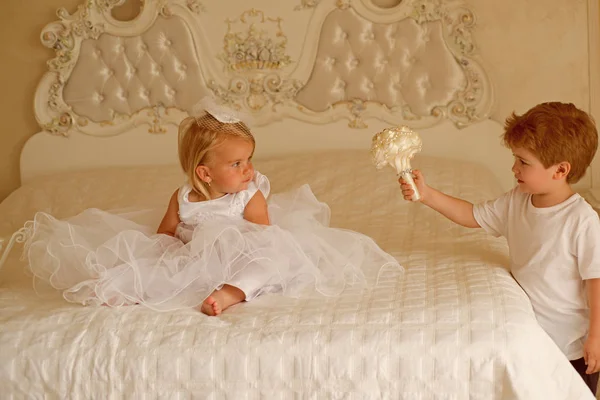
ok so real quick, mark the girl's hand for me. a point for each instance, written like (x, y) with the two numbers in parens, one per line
(591, 354)
(408, 192)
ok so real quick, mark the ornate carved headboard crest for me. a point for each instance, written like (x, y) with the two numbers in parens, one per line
(315, 61)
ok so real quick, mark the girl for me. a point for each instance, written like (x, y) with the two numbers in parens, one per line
(218, 244)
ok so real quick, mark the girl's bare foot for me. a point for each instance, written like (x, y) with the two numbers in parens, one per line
(222, 299)
(211, 306)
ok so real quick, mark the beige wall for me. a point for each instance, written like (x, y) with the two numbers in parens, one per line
(525, 45)
(535, 51)
(23, 60)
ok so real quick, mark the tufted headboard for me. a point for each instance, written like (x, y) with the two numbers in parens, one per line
(313, 74)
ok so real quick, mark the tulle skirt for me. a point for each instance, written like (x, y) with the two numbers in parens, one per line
(117, 259)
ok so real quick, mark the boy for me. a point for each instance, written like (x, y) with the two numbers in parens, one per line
(553, 234)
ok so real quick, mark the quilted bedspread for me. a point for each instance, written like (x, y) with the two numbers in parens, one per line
(454, 325)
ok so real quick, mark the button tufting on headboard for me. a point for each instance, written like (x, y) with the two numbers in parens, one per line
(126, 78)
(422, 53)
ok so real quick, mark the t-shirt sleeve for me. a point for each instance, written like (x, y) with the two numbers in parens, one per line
(587, 249)
(492, 215)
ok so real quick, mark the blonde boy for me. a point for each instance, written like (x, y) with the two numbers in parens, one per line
(553, 234)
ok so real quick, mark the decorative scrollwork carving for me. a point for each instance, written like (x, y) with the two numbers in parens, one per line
(463, 109)
(357, 107)
(461, 21)
(306, 4)
(60, 125)
(342, 4)
(195, 6)
(64, 38)
(256, 92)
(107, 5)
(157, 124)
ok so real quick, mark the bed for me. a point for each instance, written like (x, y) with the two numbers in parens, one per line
(453, 325)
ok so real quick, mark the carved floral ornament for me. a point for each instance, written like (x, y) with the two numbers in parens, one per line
(254, 52)
(254, 42)
(64, 38)
(195, 6)
(305, 4)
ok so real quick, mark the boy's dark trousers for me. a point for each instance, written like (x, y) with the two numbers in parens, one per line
(590, 380)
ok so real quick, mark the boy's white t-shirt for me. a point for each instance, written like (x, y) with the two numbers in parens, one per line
(552, 251)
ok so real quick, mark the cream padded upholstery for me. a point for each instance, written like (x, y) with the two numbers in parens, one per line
(123, 75)
(394, 64)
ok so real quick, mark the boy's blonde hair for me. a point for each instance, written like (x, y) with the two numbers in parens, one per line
(555, 132)
(197, 137)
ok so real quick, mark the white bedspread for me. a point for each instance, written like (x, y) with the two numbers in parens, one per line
(454, 326)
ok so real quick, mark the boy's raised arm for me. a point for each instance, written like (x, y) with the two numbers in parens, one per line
(457, 210)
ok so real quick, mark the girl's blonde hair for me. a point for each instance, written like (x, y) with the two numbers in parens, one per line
(197, 137)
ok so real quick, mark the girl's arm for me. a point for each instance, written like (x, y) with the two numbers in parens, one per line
(256, 210)
(169, 223)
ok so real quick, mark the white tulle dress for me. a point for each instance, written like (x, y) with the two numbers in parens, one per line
(99, 257)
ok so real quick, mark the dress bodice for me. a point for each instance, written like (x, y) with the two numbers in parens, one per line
(231, 205)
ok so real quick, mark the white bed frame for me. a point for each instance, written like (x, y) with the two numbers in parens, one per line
(313, 74)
